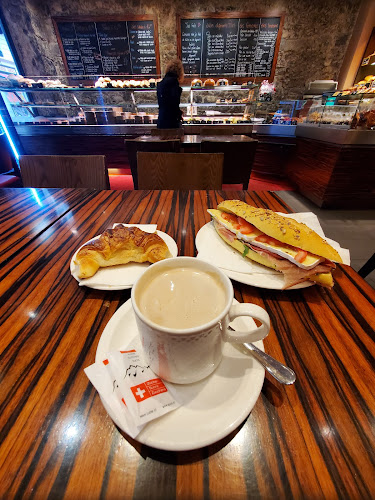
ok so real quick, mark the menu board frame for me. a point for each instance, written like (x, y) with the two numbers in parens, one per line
(111, 18)
(233, 15)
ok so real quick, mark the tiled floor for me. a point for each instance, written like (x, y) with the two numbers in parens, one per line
(353, 229)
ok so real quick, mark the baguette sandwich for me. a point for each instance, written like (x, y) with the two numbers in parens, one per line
(277, 242)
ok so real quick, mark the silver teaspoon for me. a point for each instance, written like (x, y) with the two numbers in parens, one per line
(281, 372)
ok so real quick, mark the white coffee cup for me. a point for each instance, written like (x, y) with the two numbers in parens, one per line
(186, 355)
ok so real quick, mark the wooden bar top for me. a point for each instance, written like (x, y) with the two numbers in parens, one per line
(313, 439)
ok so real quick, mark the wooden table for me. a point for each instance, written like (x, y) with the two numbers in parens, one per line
(310, 440)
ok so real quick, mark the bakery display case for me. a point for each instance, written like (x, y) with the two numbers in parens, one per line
(333, 115)
(62, 102)
(343, 117)
(351, 108)
(278, 117)
(117, 106)
(220, 103)
(73, 115)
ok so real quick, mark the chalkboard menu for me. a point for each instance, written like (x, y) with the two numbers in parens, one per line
(240, 44)
(99, 46)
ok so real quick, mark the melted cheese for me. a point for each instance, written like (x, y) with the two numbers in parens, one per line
(289, 253)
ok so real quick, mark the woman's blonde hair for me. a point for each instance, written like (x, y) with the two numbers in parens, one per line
(175, 67)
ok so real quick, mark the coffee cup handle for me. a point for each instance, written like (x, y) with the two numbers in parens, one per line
(257, 333)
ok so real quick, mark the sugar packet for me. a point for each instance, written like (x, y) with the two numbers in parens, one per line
(147, 396)
(104, 379)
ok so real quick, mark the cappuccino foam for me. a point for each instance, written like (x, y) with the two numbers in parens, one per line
(182, 298)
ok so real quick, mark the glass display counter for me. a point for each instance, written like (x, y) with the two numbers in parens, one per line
(42, 102)
(107, 106)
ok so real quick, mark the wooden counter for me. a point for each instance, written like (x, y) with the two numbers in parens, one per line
(337, 172)
(107, 140)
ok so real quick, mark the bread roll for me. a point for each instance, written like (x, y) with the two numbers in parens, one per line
(210, 82)
(282, 228)
(120, 245)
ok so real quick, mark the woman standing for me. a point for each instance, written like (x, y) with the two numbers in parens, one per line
(169, 93)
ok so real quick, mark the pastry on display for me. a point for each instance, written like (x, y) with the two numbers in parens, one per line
(222, 81)
(196, 83)
(120, 245)
(210, 82)
(20, 81)
(106, 82)
(364, 120)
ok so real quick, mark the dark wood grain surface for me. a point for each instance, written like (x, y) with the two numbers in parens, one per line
(314, 439)
(332, 175)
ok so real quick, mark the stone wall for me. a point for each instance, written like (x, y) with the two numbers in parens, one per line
(314, 40)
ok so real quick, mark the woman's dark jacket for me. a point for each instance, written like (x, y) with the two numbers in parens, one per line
(169, 93)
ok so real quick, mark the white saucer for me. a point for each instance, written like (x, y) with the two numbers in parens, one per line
(216, 405)
(119, 277)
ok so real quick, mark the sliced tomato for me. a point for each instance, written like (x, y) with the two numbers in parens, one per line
(241, 220)
(232, 219)
(301, 256)
(263, 238)
(245, 227)
(229, 217)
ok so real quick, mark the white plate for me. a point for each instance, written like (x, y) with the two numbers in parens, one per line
(214, 249)
(119, 277)
(216, 405)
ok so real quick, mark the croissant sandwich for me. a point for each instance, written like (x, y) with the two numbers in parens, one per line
(120, 245)
(277, 242)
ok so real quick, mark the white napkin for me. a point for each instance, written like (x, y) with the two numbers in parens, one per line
(213, 249)
(119, 276)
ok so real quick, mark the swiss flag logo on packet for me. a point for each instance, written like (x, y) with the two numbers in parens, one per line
(148, 389)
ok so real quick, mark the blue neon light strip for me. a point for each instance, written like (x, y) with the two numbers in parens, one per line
(12, 145)
(35, 193)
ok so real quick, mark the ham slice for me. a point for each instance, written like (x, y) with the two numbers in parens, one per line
(226, 233)
(292, 273)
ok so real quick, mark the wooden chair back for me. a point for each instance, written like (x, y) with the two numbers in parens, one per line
(217, 130)
(167, 133)
(64, 171)
(238, 159)
(154, 144)
(182, 171)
